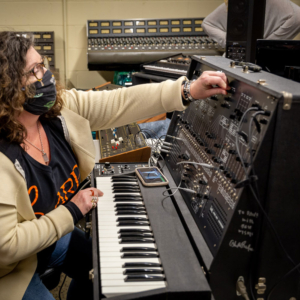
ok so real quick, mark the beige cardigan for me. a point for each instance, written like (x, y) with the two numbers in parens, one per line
(21, 234)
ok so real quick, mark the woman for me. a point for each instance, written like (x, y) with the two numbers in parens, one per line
(45, 149)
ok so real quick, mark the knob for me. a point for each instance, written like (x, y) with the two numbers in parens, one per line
(214, 98)
(263, 121)
(209, 151)
(107, 165)
(225, 105)
(217, 146)
(234, 181)
(185, 156)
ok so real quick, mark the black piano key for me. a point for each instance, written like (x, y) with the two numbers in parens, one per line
(139, 255)
(126, 204)
(138, 234)
(145, 277)
(126, 190)
(123, 180)
(133, 230)
(126, 199)
(127, 175)
(138, 249)
(133, 223)
(141, 264)
(142, 271)
(132, 219)
(131, 212)
(130, 207)
(135, 240)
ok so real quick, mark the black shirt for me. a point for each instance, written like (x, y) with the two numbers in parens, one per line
(52, 185)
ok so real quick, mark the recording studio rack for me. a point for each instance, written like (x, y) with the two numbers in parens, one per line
(123, 144)
(43, 43)
(114, 44)
(236, 156)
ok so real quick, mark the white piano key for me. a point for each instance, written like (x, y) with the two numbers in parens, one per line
(115, 264)
(103, 227)
(120, 283)
(114, 218)
(125, 260)
(115, 234)
(111, 202)
(115, 291)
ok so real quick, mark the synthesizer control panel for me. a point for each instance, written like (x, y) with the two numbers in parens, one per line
(109, 40)
(215, 132)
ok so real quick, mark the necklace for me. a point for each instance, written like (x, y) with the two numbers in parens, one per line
(45, 157)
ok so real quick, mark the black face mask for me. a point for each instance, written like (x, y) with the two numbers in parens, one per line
(45, 96)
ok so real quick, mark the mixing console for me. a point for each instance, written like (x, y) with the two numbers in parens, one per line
(108, 41)
(117, 142)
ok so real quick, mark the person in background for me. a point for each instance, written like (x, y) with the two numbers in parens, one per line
(282, 21)
(46, 149)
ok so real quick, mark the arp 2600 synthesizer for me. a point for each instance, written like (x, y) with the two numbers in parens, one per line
(237, 158)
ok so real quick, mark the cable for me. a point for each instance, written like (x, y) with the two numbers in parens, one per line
(269, 222)
(178, 188)
(62, 286)
(236, 137)
(283, 277)
(199, 164)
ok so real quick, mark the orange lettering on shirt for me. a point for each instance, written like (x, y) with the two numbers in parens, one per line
(63, 187)
(60, 199)
(36, 193)
(39, 213)
(74, 175)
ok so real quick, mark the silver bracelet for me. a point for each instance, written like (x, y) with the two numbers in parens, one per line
(187, 91)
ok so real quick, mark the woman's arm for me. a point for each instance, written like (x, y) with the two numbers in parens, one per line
(215, 25)
(115, 108)
(20, 238)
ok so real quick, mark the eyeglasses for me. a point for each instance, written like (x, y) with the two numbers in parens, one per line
(39, 69)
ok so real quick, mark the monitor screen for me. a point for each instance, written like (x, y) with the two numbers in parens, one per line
(277, 56)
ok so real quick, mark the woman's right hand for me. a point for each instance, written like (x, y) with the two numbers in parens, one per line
(83, 199)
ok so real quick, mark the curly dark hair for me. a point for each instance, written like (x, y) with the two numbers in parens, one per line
(13, 50)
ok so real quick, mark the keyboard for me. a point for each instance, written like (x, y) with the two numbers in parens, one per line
(129, 257)
(136, 252)
(174, 66)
